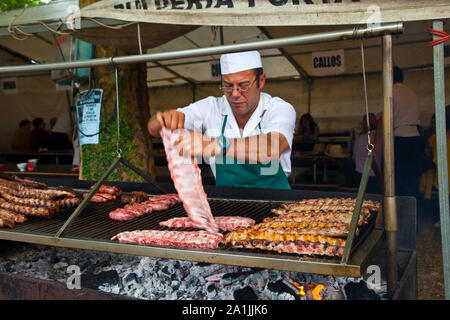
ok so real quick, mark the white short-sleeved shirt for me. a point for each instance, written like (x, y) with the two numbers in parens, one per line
(406, 111)
(63, 124)
(274, 115)
(360, 153)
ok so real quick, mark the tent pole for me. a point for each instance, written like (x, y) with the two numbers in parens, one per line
(354, 33)
(441, 143)
(309, 82)
(389, 200)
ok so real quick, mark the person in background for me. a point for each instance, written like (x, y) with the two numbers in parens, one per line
(61, 132)
(432, 129)
(39, 136)
(21, 139)
(308, 129)
(433, 144)
(409, 144)
(360, 153)
(52, 123)
(428, 168)
(63, 137)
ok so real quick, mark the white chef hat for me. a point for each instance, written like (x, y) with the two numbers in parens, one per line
(240, 61)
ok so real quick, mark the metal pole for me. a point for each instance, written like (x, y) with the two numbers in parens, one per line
(309, 83)
(357, 209)
(142, 174)
(264, 44)
(86, 200)
(389, 201)
(441, 142)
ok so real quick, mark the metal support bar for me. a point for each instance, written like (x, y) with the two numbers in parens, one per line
(86, 200)
(368, 31)
(389, 200)
(142, 174)
(441, 143)
(91, 193)
(291, 60)
(357, 209)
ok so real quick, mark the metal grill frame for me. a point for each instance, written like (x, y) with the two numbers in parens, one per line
(34, 231)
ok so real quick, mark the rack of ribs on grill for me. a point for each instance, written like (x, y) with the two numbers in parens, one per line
(154, 203)
(24, 197)
(225, 223)
(104, 193)
(7, 223)
(30, 183)
(308, 227)
(273, 240)
(311, 227)
(327, 204)
(188, 239)
(343, 217)
(187, 180)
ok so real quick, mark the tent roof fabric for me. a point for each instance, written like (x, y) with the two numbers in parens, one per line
(410, 48)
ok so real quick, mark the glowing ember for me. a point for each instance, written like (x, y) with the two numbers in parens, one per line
(300, 288)
(316, 292)
(309, 287)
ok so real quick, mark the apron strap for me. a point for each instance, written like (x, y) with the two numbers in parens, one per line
(223, 124)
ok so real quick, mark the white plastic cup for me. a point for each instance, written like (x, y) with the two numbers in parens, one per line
(22, 166)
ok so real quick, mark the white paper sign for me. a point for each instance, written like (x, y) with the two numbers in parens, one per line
(215, 70)
(9, 85)
(88, 115)
(328, 62)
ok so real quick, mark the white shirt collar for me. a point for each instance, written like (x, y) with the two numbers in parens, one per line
(254, 120)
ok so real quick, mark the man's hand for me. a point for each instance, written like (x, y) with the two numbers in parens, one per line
(171, 119)
(195, 144)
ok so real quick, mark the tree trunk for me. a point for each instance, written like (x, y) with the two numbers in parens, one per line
(134, 140)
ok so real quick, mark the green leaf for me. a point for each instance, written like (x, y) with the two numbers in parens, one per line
(6, 5)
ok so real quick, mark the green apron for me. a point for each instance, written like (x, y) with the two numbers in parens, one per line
(233, 174)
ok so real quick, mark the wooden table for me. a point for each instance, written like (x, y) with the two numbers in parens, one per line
(42, 170)
(311, 159)
(20, 156)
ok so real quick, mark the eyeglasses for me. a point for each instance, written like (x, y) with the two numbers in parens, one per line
(240, 88)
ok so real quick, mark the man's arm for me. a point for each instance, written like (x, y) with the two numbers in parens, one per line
(171, 119)
(258, 149)
(255, 149)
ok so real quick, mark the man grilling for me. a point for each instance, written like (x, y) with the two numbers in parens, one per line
(245, 135)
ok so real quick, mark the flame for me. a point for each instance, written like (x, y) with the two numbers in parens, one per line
(300, 288)
(309, 287)
(316, 292)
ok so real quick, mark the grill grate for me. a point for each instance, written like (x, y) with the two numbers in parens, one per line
(94, 222)
(93, 229)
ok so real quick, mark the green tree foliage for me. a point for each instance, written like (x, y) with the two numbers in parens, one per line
(6, 5)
